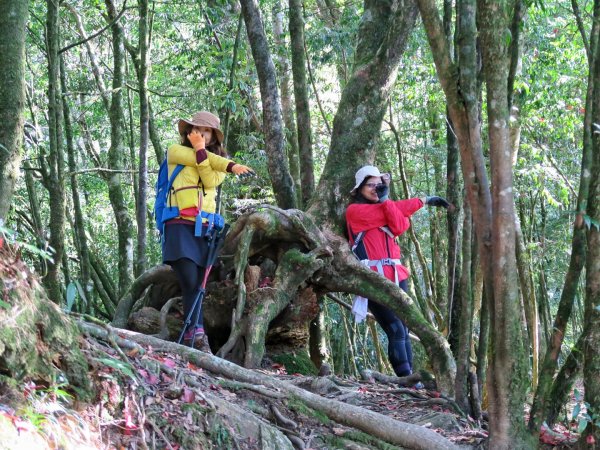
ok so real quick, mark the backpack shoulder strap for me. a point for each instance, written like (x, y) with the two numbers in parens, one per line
(176, 171)
(387, 231)
(357, 240)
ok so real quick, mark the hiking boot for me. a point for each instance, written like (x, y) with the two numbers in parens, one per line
(195, 337)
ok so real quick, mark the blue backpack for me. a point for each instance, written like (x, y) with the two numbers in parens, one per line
(164, 183)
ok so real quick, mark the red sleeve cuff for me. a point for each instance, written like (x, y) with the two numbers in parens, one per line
(201, 155)
(230, 166)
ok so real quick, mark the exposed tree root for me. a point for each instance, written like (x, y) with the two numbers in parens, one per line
(382, 427)
(305, 257)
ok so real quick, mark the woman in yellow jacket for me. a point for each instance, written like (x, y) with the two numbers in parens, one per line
(202, 154)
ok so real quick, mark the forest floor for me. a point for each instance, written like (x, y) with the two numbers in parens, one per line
(150, 399)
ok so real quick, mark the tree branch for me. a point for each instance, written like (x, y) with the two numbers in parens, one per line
(97, 33)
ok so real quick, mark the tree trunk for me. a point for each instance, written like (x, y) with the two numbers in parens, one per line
(465, 319)
(493, 211)
(560, 389)
(13, 22)
(301, 96)
(80, 238)
(142, 194)
(116, 154)
(539, 407)
(382, 37)
(507, 380)
(286, 103)
(527, 289)
(55, 174)
(283, 185)
(319, 353)
(591, 349)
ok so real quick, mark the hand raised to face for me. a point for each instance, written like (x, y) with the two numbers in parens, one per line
(196, 139)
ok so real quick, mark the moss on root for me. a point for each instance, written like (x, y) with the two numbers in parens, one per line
(298, 362)
(297, 405)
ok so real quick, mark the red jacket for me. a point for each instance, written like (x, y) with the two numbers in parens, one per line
(375, 243)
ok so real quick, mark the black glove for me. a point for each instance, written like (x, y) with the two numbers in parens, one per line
(383, 191)
(434, 200)
(251, 173)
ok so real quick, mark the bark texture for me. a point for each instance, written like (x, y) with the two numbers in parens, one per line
(116, 153)
(54, 175)
(287, 105)
(283, 185)
(382, 36)
(13, 21)
(301, 97)
(142, 191)
(539, 408)
(591, 349)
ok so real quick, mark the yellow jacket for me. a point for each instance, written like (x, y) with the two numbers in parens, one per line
(188, 185)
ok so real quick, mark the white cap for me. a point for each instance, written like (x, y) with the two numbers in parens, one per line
(365, 172)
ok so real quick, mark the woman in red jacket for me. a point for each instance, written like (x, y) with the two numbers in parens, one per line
(373, 223)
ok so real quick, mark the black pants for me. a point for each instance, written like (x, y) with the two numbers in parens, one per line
(190, 276)
(399, 348)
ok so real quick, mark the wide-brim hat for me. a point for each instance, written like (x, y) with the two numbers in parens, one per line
(202, 119)
(365, 172)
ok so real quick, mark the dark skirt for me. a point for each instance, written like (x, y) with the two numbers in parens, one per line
(180, 242)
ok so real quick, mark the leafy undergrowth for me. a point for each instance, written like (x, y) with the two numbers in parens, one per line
(147, 399)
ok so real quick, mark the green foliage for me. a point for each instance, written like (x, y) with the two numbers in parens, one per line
(12, 238)
(120, 366)
(584, 414)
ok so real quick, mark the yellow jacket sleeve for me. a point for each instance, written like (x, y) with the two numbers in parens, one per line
(180, 154)
(211, 171)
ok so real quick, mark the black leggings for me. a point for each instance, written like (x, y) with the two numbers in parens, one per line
(190, 277)
(399, 348)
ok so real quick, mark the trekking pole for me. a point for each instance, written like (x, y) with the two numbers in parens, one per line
(214, 248)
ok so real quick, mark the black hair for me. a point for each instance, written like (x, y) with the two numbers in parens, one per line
(357, 197)
(214, 146)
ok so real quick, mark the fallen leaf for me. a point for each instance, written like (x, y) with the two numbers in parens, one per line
(188, 395)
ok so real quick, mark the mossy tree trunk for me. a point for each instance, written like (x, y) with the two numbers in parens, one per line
(301, 97)
(116, 153)
(287, 107)
(507, 379)
(382, 38)
(142, 191)
(493, 209)
(13, 21)
(54, 171)
(539, 408)
(283, 185)
(591, 349)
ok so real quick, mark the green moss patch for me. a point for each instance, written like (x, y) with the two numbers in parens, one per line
(296, 363)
